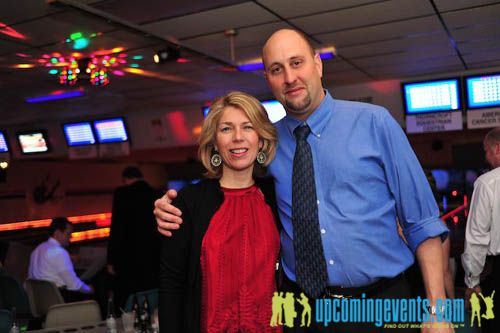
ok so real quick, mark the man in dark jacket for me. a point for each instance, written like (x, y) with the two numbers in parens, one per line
(134, 244)
(12, 295)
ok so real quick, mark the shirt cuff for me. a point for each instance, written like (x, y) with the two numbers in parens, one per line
(472, 281)
(419, 232)
(85, 289)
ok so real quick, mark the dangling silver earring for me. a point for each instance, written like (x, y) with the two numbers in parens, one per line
(216, 160)
(261, 157)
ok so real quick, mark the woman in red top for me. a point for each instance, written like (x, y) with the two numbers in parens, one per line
(218, 269)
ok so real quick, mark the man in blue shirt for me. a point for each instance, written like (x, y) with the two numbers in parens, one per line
(367, 177)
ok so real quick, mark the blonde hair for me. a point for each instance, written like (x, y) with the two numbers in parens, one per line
(257, 116)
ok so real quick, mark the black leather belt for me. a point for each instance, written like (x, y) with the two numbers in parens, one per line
(353, 292)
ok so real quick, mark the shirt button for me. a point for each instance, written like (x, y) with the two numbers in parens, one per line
(317, 202)
(323, 231)
(331, 262)
(319, 135)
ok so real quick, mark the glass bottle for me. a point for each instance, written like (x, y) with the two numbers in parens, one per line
(111, 318)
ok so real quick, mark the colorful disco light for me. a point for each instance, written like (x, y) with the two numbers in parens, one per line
(23, 66)
(6, 30)
(81, 43)
(79, 40)
(69, 75)
(99, 77)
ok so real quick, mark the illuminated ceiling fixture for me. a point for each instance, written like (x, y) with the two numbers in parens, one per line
(51, 97)
(325, 53)
(168, 54)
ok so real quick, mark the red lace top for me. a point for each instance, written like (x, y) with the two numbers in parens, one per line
(238, 257)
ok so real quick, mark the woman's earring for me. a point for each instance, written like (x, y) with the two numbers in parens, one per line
(216, 160)
(261, 157)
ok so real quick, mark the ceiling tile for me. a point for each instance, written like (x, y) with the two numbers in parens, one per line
(12, 12)
(294, 8)
(471, 17)
(414, 43)
(358, 17)
(407, 28)
(211, 21)
(446, 5)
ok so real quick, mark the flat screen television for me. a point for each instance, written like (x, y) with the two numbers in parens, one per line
(483, 91)
(274, 109)
(178, 184)
(4, 148)
(111, 130)
(33, 142)
(79, 134)
(431, 96)
(205, 110)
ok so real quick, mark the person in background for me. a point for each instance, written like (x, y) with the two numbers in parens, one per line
(414, 272)
(51, 261)
(344, 173)
(134, 245)
(482, 233)
(218, 271)
(12, 294)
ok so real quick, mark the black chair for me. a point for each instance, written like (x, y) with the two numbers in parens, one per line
(5, 321)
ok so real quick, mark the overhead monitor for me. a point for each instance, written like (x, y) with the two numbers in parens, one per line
(110, 130)
(431, 96)
(274, 109)
(3, 143)
(483, 91)
(79, 134)
(205, 110)
(32, 142)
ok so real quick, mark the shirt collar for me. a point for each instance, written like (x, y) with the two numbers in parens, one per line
(317, 120)
(54, 241)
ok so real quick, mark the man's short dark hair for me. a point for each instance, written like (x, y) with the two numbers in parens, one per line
(4, 248)
(492, 137)
(58, 223)
(132, 172)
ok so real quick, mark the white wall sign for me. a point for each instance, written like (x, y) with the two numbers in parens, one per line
(434, 122)
(483, 118)
(82, 152)
(114, 149)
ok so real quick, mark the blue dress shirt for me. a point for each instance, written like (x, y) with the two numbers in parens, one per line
(367, 177)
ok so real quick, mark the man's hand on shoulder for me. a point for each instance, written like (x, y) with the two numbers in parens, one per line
(167, 215)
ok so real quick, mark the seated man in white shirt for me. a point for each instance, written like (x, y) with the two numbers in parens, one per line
(50, 261)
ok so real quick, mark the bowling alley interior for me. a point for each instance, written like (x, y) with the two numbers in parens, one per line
(90, 87)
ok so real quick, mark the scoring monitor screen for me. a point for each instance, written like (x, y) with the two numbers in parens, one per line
(432, 96)
(111, 130)
(3, 143)
(33, 142)
(79, 134)
(483, 91)
(274, 109)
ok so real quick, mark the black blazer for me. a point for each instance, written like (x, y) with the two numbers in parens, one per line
(134, 243)
(180, 271)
